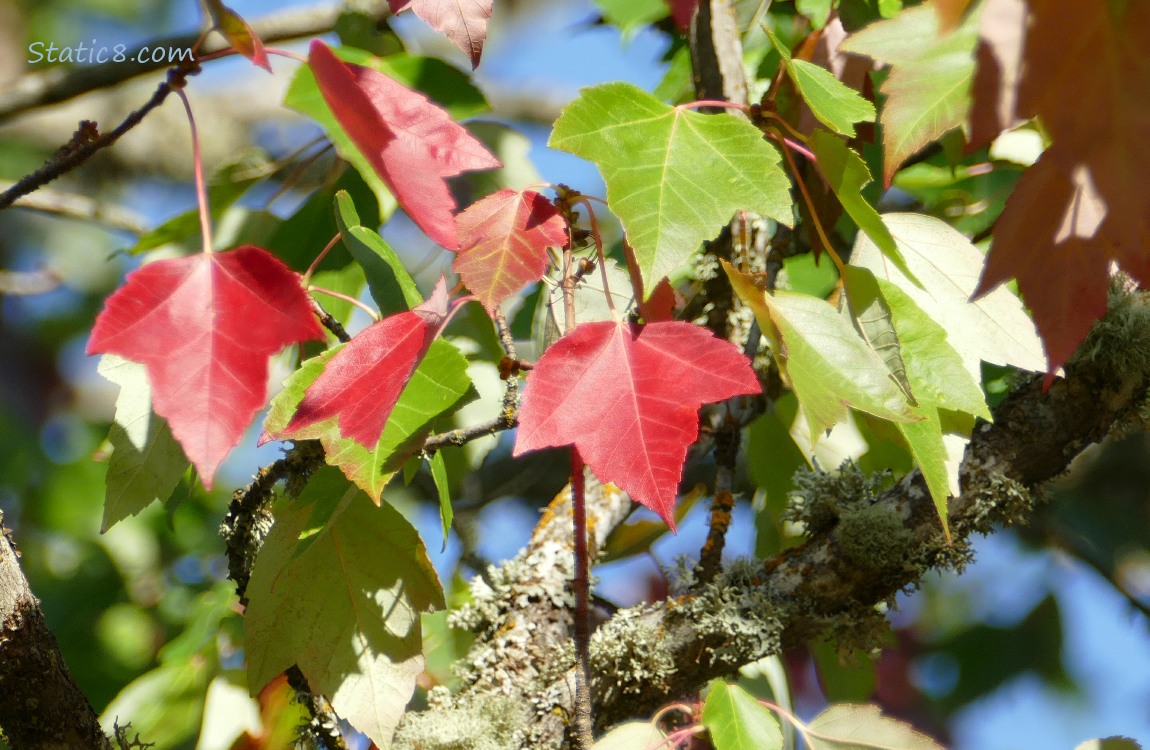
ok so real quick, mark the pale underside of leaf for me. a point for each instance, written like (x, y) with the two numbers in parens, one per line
(994, 328)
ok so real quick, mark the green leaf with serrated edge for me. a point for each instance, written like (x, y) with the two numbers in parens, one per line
(847, 175)
(940, 381)
(1110, 743)
(994, 328)
(737, 721)
(828, 364)
(337, 589)
(439, 81)
(674, 177)
(391, 285)
(146, 462)
(438, 386)
(439, 476)
(872, 319)
(848, 726)
(831, 101)
(928, 89)
(631, 735)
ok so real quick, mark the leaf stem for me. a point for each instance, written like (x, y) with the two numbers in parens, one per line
(811, 208)
(599, 251)
(319, 258)
(346, 298)
(198, 171)
(582, 586)
(713, 103)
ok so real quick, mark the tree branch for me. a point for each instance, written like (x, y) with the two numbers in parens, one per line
(43, 708)
(61, 83)
(869, 546)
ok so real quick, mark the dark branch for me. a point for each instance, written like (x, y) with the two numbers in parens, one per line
(85, 142)
(60, 83)
(43, 707)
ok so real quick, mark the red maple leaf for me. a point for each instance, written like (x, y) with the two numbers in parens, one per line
(464, 22)
(503, 241)
(204, 326)
(628, 399)
(412, 144)
(363, 381)
(682, 11)
(1084, 203)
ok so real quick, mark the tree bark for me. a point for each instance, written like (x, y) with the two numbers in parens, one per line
(519, 683)
(43, 707)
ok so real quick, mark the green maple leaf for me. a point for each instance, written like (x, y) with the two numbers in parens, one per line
(338, 589)
(830, 367)
(847, 175)
(147, 462)
(939, 381)
(438, 386)
(737, 721)
(928, 89)
(674, 177)
(832, 102)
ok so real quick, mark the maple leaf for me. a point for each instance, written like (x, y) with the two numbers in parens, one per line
(628, 399)
(412, 144)
(928, 89)
(338, 589)
(464, 22)
(363, 381)
(204, 326)
(503, 241)
(682, 12)
(674, 176)
(1083, 204)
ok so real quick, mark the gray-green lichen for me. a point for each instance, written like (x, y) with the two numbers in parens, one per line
(993, 498)
(875, 540)
(820, 497)
(490, 722)
(736, 610)
(631, 653)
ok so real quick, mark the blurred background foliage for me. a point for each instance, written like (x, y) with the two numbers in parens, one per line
(1043, 643)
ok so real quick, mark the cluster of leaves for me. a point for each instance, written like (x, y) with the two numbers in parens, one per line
(897, 341)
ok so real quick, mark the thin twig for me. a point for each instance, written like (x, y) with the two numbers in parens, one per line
(723, 502)
(76, 206)
(60, 83)
(328, 321)
(582, 624)
(75, 154)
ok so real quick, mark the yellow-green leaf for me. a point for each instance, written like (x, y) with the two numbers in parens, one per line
(674, 177)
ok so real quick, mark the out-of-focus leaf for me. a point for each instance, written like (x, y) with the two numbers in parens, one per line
(848, 726)
(146, 462)
(634, 735)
